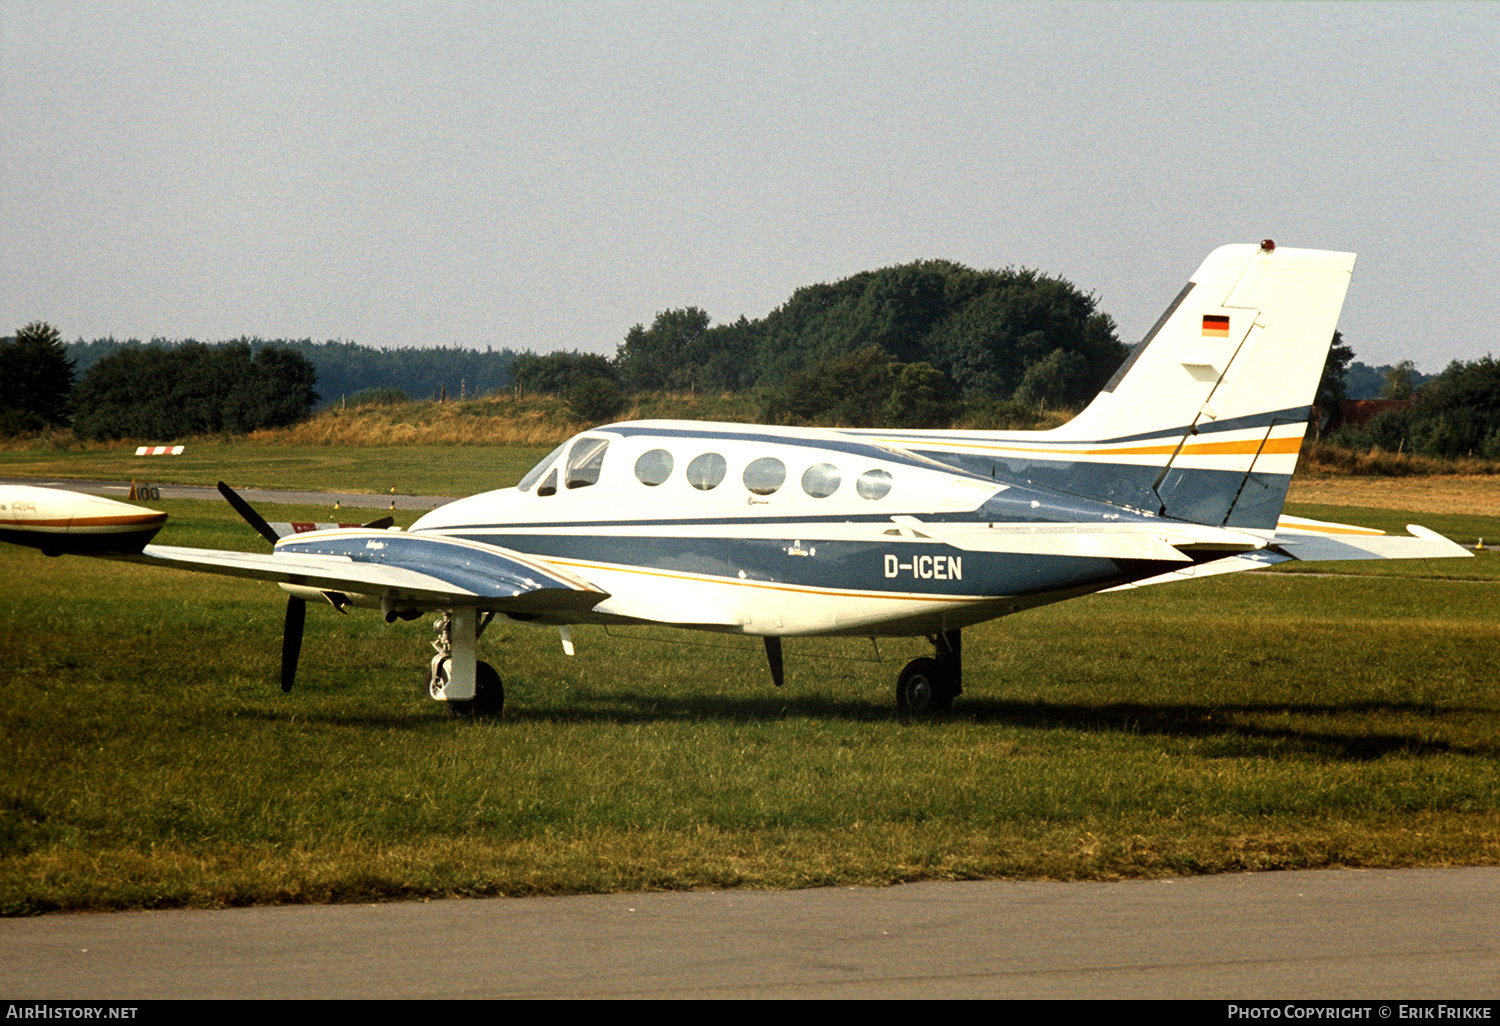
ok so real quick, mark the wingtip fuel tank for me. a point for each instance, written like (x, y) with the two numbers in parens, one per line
(58, 521)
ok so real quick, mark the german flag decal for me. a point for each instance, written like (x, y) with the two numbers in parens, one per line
(1215, 326)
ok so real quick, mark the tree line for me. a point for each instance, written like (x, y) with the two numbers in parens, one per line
(346, 369)
(1455, 413)
(150, 391)
(915, 345)
(909, 345)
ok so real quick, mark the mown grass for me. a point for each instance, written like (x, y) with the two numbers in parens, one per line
(408, 469)
(1253, 721)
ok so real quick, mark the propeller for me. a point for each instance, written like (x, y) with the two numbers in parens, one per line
(291, 640)
(296, 608)
(249, 515)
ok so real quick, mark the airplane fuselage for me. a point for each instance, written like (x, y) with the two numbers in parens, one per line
(781, 532)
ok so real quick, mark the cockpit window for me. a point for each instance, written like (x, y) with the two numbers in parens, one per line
(706, 471)
(534, 474)
(653, 467)
(585, 460)
(765, 475)
(821, 480)
(873, 484)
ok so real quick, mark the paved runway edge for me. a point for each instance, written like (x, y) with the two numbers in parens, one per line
(1378, 935)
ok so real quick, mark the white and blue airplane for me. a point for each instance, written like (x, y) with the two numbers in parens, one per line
(1177, 470)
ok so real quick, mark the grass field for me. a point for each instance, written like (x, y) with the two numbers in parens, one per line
(1252, 721)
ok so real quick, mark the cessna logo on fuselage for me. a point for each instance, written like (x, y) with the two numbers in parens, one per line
(926, 568)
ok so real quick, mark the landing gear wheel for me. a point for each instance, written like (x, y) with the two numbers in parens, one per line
(436, 680)
(924, 687)
(489, 695)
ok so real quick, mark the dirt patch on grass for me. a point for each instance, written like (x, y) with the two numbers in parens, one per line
(1438, 494)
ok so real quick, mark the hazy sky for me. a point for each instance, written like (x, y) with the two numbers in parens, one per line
(546, 175)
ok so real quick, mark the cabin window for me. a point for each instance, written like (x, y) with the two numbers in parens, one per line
(707, 471)
(535, 473)
(873, 484)
(585, 461)
(549, 484)
(821, 480)
(653, 467)
(765, 475)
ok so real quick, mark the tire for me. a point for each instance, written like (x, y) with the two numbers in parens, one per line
(924, 687)
(488, 702)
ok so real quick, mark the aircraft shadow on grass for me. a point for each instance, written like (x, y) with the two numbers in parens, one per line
(1228, 725)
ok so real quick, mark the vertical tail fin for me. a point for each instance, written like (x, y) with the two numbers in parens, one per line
(1204, 421)
(1217, 397)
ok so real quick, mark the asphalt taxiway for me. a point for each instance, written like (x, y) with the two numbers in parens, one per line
(1383, 935)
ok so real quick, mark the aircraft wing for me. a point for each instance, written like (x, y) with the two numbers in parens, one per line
(495, 579)
(406, 570)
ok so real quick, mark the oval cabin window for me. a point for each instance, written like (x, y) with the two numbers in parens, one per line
(765, 475)
(873, 484)
(706, 471)
(821, 480)
(654, 467)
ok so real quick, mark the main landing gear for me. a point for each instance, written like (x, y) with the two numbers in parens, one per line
(931, 683)
(471, 688)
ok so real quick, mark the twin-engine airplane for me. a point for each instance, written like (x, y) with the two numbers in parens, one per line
(1178, 469)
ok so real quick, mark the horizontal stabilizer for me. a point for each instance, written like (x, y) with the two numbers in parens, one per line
(1312, 540)
(1355, 543)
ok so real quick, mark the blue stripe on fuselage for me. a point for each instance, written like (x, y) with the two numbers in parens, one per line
(899, 565)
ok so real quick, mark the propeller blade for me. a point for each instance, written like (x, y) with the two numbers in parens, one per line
(381, 524)
(291, 640)
(251, 517)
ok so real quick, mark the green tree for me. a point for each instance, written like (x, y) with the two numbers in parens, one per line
(920, 398)
(1400, 381)
(1331, 389)
(164, 392)
(36, 377)
(595, 400)
(556, 373)
(1457, 413)
(1017, 320)
(732, 362)
(668, 355)
(850, 390)
(1055, 380)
